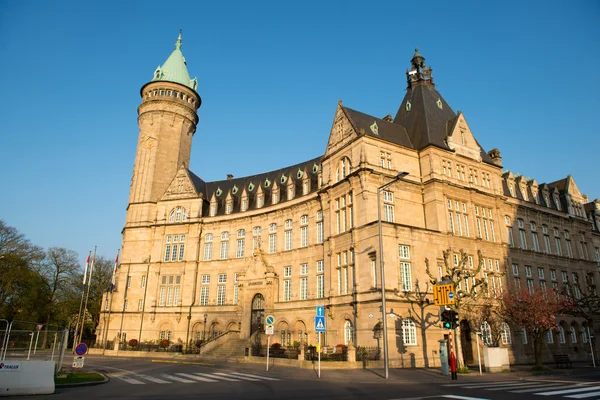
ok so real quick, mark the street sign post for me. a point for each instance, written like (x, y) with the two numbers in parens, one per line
(81, 349)
(319, 328)
(443, 294)
(78, 361)
(270, 320)
(319, 324)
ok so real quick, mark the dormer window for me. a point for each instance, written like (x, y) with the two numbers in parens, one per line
(213, 209)
(557, 201)
(290, 192)
(524, 191)
(259, 201)
(305, 188)
(535, 197)
(275, 197)
(244, 204)
(547, 200)
(511, 189)
(229, 207)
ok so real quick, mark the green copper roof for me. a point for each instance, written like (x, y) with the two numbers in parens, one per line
(175, 69)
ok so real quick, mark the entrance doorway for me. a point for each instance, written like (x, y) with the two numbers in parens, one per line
(465, 341)
(257, 319)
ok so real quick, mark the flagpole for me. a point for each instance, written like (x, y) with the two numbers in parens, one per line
(87, 295)
(110, 291)
(87, 263)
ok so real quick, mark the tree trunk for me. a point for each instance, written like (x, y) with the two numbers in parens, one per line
(537, 349)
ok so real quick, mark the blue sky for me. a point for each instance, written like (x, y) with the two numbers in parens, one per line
(270, 74)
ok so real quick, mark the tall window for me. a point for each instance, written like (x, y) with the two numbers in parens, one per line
(458, 219)
(505, 334)
(557, 242)
(320, 227)
(568, 245)
(169, 290)
(220, 295)
(174, 248)
(561, 335)
(534, 237)
(287, 289)
(348, 333)
(304, 231)
(208, 239)
(272, 238)
(224, 245)
(288, 235)
(236, 288)
(256, 238)
(486, 334)
(522, 236)
(343, 213)
(511, 240)
(546, 239)
(388, 206)
(406, 276)
(386, 160)
(204, 291)
(320, 279)
(409, 332)
(303, 288)
(241, 241)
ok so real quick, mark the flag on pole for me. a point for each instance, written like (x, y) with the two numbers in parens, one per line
(114, 273)
(87, 263)
(92, 267)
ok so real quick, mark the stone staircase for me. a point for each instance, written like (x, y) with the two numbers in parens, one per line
(233, 348)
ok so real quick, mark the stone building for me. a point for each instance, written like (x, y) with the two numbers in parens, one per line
(211, 259)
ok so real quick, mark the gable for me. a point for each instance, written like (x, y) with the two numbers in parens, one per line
(342, 131)
(461, 139)
(181, 186)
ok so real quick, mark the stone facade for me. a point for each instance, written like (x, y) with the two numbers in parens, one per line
(311, 237)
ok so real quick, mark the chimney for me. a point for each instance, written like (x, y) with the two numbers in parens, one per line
(229, 177)
(495, 156)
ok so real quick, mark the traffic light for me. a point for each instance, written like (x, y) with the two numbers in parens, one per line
(454, 320)
(446, 318)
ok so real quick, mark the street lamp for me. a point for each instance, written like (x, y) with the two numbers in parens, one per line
(398, 176)
(204, 328)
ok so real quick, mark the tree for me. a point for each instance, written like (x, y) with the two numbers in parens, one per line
(486, 313)
(583, 304)
(467, 280)
(534, 311)
(99, 283)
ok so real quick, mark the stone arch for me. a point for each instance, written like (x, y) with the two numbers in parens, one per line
(301, 334)
(574, 332)
(283, 330)
(215, 328)
(233, 325)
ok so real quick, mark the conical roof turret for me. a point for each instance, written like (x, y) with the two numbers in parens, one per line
(175, 69)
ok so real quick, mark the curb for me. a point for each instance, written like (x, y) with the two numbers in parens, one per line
(78, 384)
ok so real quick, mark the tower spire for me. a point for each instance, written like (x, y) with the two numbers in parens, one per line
(178, 42)
(418, 72)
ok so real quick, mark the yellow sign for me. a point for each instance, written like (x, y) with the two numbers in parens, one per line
(443, 294)
(318, 348)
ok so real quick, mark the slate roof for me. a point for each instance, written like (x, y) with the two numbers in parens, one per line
(387, 131)
(265, 181)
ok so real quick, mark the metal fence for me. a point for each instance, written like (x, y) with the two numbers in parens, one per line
(24, 340)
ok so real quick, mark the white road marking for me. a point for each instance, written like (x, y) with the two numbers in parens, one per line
(153, 379)
(541, 386)
(128, 380)
(255, 376)
(580, 389)
(198, 378)
(176, 378)
(452, 396)
(517, 386)
(240, 377)
(218, 377)
(474, 385)
(583, 396)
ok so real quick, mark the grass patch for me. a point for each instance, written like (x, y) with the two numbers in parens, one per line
(463, 370)
(78, 377)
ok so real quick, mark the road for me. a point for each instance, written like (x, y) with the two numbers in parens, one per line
(170, 379)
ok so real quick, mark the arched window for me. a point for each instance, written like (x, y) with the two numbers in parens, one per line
(409, 332)
(343, 169)
(573, 334)
(505, 334)
(348, 333)
(178, 214)
(561, 335)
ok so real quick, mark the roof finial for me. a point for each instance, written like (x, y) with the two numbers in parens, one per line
(178, 42)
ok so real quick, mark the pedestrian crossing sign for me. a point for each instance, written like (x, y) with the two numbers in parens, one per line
(319, 324)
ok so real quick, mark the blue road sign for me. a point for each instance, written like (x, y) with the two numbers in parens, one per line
(320, 323)
(81, 349)
(320, 311)
(450, 295)
(270, 320)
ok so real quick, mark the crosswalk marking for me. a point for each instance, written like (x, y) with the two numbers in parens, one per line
(153, 379)
(255, 376)
(540, 386)
(453, 396)
(198, 378)
(566, 391)
(241, 377)
(129, 380)
(517, 386)
(474, 385)
(583, 396)
(218, 377)
(177, 378)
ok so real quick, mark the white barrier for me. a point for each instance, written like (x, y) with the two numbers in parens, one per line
(26, 377)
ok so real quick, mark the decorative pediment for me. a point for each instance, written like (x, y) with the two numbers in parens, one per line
(181, 186)
(461, 140)
(257, 267)
(342, 131)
